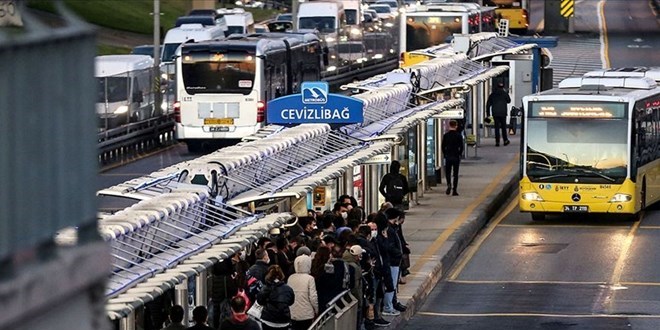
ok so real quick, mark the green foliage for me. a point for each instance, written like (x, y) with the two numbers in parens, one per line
(111, 50)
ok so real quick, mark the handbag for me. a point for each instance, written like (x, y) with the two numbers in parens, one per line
(255, 310)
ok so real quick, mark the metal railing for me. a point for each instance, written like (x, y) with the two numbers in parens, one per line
(341, 314)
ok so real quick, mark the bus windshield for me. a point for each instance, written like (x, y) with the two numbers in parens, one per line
(565, 150)
(218, 72)
(426, 31)
(323, 24)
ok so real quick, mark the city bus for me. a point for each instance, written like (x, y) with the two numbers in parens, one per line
(223, 86)
(592, 145)
(433, 24)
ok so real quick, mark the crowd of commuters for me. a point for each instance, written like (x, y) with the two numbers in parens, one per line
(295, 274)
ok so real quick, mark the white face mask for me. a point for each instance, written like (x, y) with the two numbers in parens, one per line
(374, 233)
(344, 215)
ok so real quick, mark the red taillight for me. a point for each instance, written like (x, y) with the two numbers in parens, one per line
(177, 111)
(261, 111)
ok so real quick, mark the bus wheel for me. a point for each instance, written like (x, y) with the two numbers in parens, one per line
(536, 216)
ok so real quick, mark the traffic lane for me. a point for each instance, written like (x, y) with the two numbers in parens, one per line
(643, 263)
(502, 284)
(144, 165)
(632, 30)
(631, 50)
(630, 17)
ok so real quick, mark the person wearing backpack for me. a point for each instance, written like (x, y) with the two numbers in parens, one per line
(394, 186)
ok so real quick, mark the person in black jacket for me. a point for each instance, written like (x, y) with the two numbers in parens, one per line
(497, 106)
(394, 186)
(394, 249)
(452, 151)
(276, 299)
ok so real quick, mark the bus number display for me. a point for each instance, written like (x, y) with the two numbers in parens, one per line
(578, 110)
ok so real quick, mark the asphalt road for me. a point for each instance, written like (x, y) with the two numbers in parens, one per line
(632, 33)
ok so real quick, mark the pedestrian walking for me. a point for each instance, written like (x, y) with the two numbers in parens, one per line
(452, 151)
(497, 106)
(394, 186)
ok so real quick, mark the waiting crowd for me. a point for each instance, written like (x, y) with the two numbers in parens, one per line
(294, 275)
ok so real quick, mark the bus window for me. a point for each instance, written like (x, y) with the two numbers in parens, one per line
(229, 72)
(423, 32)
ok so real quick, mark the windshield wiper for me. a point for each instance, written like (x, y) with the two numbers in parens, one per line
(573, 171)
(554, 176)
(587, 169)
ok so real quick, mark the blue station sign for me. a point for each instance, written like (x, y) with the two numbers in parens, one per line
(314, 105)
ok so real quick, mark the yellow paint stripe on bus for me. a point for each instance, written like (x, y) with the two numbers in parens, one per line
(472, 250)
(435, 246)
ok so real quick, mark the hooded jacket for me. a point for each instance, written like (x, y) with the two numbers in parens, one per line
(305, 306)
(394, 172)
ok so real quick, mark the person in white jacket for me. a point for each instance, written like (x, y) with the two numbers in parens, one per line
(305, 307)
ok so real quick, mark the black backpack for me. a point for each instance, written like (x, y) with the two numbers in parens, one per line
(395, 188)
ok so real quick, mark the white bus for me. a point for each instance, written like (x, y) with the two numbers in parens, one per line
(223, 86)
(434, 24)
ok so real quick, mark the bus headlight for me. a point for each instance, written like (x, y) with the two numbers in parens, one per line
(620, 198)
(389, 25)
(532, 196)
(356, 31)
(121, 110)
(329, 39)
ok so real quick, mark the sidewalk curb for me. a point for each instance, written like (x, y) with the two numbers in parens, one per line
(464, 236)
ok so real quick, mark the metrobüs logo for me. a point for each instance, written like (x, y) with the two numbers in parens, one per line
(314, 92)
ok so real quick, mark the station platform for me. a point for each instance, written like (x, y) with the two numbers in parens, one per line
(441, 226)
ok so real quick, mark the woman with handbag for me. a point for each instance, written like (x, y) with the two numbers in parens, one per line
(276, 298)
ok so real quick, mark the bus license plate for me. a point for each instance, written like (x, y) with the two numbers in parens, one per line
(576, 208)
(218, 121)
(218, 129)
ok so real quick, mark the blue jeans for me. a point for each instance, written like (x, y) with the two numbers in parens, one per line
(389, 296)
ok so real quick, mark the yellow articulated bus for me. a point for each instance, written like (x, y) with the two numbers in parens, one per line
(512, 10)
(592, 145)
(434, 24)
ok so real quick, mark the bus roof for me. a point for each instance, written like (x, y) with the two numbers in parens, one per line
(112, 65)
(652, 72)
(258, 43)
